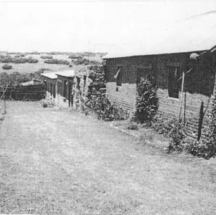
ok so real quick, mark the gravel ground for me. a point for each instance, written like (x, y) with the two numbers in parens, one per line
(60, 162)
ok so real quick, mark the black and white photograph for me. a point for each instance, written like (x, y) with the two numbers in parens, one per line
(107, 107)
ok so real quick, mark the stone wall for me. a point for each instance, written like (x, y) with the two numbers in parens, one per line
(170, 107)
(124, 97)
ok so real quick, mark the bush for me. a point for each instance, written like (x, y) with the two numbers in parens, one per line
(7, 67)
(32, 60)
(132, 125)
(47, 103)
(177, 136)
(147, 100)
(99, 103)
(205, 148)
(164, 125)
(46, 57)
(57, 61)
(17, 60)
(74, 57)
(81, 61)
(19, 55)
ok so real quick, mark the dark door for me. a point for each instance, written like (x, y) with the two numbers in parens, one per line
(70, 100)
(173, 88)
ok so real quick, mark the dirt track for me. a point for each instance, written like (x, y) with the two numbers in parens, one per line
(59, 162)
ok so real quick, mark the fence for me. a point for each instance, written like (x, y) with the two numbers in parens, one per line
(24, 93)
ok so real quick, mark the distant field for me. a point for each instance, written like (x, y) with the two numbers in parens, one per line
(30, 68)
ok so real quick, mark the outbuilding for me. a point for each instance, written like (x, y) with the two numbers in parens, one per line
(187, 53)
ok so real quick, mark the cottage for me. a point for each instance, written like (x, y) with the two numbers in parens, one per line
(188, 53)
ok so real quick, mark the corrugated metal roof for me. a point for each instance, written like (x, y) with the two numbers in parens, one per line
(197, 33)
(51, 75)
(66, 73)
(32, 82)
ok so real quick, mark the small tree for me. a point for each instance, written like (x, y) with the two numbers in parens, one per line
(147, 100)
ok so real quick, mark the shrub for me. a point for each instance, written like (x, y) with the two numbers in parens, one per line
(74, 57)
(147, 100)
(47, 103)
(17, 60)
(46, 57)
(205, 148)
(32, 60)
(44, 105)
(163, 125)
(132, 125)
(100, 104)
(7, 67)
(19, 55)
(177, 136)
(81, 61)
(57, 61)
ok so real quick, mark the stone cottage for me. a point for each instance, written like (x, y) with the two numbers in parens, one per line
(187, 53)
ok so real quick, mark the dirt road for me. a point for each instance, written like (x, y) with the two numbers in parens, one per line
(60, 162)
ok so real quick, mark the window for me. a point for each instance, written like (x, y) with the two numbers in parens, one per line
(118, 76)
(173, 89)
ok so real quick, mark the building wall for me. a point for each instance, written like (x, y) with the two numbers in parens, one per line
(64, 88)
(125, 97)
(50, 88)
(199, 84)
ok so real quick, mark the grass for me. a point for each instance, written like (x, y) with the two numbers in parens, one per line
(145, 135)
(61, 162)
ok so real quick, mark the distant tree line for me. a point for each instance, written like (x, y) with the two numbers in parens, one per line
(17, 59)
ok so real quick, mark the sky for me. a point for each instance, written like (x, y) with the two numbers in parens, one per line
(71, 26)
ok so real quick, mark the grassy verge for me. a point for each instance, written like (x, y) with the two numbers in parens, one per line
(145, 135)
